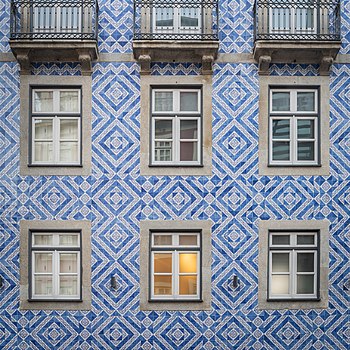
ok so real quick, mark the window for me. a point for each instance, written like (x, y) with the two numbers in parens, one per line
(175, 265)
(55, 265)
(56, 123)
(293, 265)
(293, 126)
(176, 126)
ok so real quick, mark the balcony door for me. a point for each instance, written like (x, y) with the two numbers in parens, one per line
(176, 20)
(58, 19)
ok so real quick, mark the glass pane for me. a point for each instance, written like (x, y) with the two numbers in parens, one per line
(68, 240)
(163, 101)
(281, 19)
(280, 150)
(69, 152)
(306, 239)
(280, 262)
(163, 240)
(280, 239)
(68, 285)
(306, 129)
(188, 101)
(162, 285)
(163, 151)
(43, 152)
(306, 150)
(164, 129)
(69, 101)
(305, 262)
(43, 262)
(188, 151)
(42, 240)
(280, 284)
(189, 17)
(188, 240)
(43, 285)
(188, 129)
(188, 285)
(43, 101)
(305, 284)
(164, 17)
(281, 101)
(163, 263)
(43, 129)
(69, 129)
(304, 19)
(68, 263)
(280, 129)
(70, 19)
(188, 262)
(306, 101)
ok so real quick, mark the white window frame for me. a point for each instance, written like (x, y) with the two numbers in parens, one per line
(293, 116)
(56, 116)
(176, 116)
(175, 250)
(293, 249)
(55, 249)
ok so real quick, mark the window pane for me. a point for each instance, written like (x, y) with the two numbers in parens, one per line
(188, 240)
(188, 101)
(188, 129)
(43, 152)
(280, 239)
(280, 150)
(43, 285)
(69, 152)
(305, 262)
(306, 101)
(69, 101)
(164, 17)
(163, 151)
(280, 284)
(163, 101)
(162, 285)
(69, 129)
(43, 129)
(42, 240)
(43, 262)
(164, 129)
(163, 263)
(281, 19)
(163, 240)
(280, 262)
(43, 101)
(188, 151)
(305, 284)
(304, 19)
(188, 285)
(68, 285)
(306, 239)
(68, 240)
(189, 17)
(188, 262)
(280, 129)
(306, 129)
(281, 101)
(306, 150)
(68, 263)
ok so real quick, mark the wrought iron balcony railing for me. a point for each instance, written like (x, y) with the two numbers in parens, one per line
(175, 20)
(317, 20)
(54, 19)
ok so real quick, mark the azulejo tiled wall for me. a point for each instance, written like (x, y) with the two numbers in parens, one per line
(116, 197)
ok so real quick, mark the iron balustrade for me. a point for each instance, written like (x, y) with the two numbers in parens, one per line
(317, 20)
(176, 20)
(54, 19)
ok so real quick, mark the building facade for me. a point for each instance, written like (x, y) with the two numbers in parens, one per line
(174, 175)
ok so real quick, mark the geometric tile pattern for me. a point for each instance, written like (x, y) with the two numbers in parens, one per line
(115, 198)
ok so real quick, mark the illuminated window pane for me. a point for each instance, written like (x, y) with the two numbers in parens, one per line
(162, 263)
(163, 285)
(188, 262)
(188, 285)
(280, 284)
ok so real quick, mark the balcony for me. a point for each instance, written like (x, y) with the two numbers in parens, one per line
(54, 30)
(175, 30)
(296, 31)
